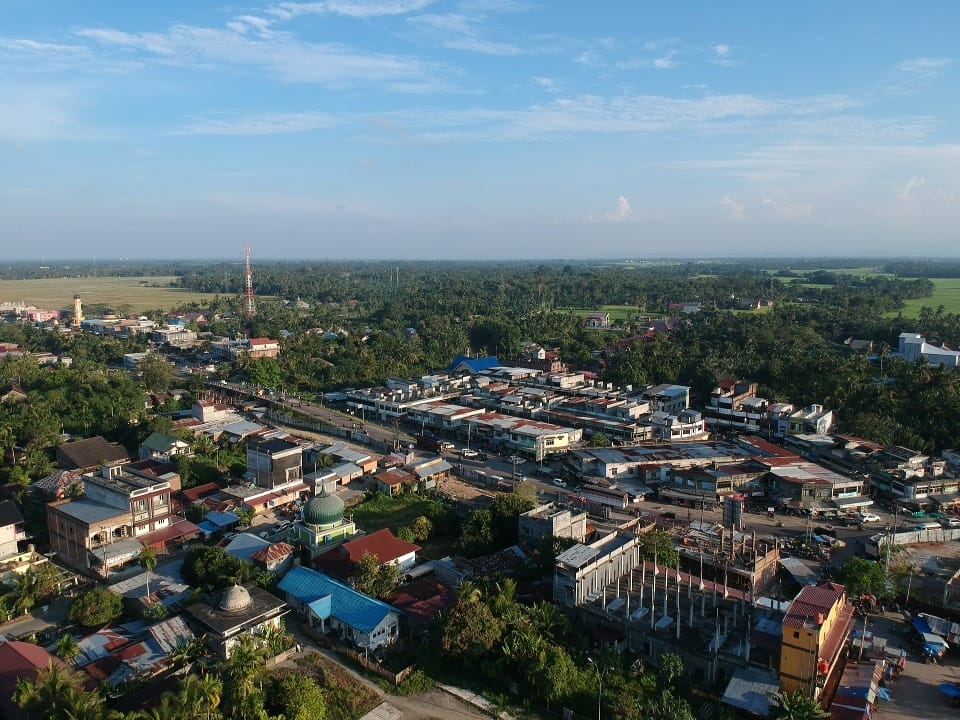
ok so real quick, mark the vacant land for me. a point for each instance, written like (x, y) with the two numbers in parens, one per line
(138, 293)
(382, 511)
(947, 293)
(626, 313)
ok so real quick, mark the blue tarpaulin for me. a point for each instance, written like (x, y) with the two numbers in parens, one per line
(921, 626)
(207, 528)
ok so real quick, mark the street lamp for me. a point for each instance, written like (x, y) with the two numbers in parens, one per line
(599, 685)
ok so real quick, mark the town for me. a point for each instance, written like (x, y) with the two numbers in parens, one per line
(185, 522)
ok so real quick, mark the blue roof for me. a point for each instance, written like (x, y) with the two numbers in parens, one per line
(350, 607)
(474, 365)
(920, 625)
(207, 528)
(222, 519)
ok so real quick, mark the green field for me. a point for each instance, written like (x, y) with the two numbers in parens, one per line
(947, 293)
(625, 313)
(57, 294)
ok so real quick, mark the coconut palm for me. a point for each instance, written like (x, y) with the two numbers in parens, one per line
(798, 707)
(67, 648)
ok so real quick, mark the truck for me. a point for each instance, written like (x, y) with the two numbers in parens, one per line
(433, 443)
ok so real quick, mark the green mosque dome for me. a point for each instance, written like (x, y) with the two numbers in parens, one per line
(323, 509)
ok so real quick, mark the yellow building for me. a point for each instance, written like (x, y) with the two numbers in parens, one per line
(815, 632)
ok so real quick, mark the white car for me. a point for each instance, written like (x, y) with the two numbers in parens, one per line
(516, 459)
(468, 453)
(952, 523)
(868, 517)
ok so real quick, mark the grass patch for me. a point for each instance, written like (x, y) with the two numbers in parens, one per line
(140, 293)
(946, 292)
(347, 697)
(626, 313)
(382, 511)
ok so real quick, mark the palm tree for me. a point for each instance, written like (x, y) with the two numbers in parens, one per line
(798, 707)
(200, 696)
(67, 648)
(148, 558)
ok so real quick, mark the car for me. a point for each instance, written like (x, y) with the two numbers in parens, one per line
(516, 460)
(559, 483)
(468, 453)
(951, 523)
(868, 517)
(927, 526)
(482, 456)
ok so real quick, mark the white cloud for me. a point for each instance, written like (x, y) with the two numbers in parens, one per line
(278, 53)
(548, 84)
(736, 210)
(36, 114)
(460, 31)
(666, 62)
(623, 212)
(908, 193)
(587, 57)
(924, 68)
(361, 9)
(721, 50)
(267, 124)
(789, 210)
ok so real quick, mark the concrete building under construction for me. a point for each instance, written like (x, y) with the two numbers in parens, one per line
(700, 608)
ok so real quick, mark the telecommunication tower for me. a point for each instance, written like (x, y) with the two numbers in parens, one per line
(251, 307)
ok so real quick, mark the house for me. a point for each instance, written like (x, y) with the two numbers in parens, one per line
(14, 395)
(913, 346)
(244, 545)
(277, 558)
(551, 520)
(814, 419)
(163, 447)
(58, 485)
(11, 528)
(394, 481)
(273, 461)
(472, 366)
(430, 471)
(19, 661)
(333, 606)
(240, 610)
(816, 628)
(382, 544)
(597, 320)
(89, 454)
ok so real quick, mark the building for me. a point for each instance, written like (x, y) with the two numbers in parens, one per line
(273, 461)
(811, 419)
(527, 437)
(329, 605)
(11, 528)
(386, 547)
(394, 481)
(912, 347)
(255, 349)
(89, 454)
(241, 610)
(162, 447)
(123, 510)
(322, 525)
(19, 661)
(670, 399)
(551, 520)
(816, 628)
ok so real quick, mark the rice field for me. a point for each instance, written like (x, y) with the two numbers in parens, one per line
(947, 293)
(138, 293)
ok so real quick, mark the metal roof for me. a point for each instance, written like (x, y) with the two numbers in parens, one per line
(350, 607)
(91, 512)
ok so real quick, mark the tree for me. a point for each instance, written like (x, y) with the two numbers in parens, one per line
(476, 534)
(149, 560)
(156, 372)
(57, 693)
(296, 697)
(406, 534)
(374, 578)
(200, 696)
(862, 577)
(422, 528)
(67, 648)
(600, 440)
(798, 707)
(214, 568)
(658, 544)
(471, 630)
(242, 698)
(671, 667)
(96, 607)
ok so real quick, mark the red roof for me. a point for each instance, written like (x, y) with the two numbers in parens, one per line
(201, 491)
(813, 600)
(159, 538)
(275, 553)
(383, 543)
(19, 659)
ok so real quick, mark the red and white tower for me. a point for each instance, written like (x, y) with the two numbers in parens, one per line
(251, 306)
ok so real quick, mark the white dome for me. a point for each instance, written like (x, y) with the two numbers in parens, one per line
(235, 599)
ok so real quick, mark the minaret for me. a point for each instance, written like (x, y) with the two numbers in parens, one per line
(251, 307)
(77, 311)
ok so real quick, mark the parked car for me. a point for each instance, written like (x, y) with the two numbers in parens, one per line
(927, 526)
(951, 523)
(468, 453)
(516, 459)
(559, 483)
(868, 517)
(482, 456)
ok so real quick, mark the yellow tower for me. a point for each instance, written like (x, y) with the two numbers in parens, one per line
(77, 311)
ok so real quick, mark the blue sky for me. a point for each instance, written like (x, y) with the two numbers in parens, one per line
(478, 129)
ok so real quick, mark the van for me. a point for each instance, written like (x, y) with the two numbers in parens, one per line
(927, 526)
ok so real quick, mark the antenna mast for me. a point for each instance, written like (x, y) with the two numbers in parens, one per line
(251, 307)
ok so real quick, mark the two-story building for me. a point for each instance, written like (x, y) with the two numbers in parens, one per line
(11, 529)
(551, 520)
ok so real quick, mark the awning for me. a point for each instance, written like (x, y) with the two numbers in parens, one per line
(182, 529)
(117, 552)
(857, 501)
(947, 499)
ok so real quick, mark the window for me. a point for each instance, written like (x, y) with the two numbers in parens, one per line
(796, 634)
